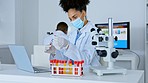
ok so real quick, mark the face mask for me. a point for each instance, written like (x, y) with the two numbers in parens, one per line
(78, 23)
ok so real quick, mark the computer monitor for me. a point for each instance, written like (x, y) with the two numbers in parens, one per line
(121, 30)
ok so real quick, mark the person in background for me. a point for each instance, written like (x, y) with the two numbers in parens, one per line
(61, 28)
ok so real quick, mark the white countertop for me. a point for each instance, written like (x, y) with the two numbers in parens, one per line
(10, 74)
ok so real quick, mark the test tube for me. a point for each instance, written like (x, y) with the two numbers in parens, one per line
(57, 66)
(54, 64)
(70, 67)
(82, 62)
(76, 67)
(64, 67)
(60, 66)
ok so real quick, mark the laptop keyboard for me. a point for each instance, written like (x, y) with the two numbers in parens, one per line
(41, 69)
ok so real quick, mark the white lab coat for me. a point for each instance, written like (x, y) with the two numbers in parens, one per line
(83, 50)
(47, 40)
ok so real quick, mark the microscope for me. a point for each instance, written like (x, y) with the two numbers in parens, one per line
(104, 45)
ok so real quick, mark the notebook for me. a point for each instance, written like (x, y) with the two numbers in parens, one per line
(22, 60)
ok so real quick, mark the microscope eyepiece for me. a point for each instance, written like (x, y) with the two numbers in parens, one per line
(98, 30)
(94, 43)
(92, 30)
(102, 53)
(115, 54)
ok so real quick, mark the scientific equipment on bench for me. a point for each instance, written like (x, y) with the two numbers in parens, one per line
(104, 46)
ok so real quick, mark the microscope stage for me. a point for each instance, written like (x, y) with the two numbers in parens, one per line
(101, 70)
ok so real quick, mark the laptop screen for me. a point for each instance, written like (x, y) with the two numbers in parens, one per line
(21, 58)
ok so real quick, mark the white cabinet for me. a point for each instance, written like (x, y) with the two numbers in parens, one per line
(146, 42)
(146, 48)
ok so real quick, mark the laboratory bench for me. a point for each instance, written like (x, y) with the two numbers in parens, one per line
(10, 74)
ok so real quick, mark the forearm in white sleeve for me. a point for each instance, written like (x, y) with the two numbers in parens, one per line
(72, 52)
(86, 54)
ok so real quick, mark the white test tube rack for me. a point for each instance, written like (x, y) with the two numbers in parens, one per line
(68, 70)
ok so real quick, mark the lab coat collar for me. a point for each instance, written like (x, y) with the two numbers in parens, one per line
(82, 35)
(84, 30)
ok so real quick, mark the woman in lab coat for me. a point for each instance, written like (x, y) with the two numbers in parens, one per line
(78, 46)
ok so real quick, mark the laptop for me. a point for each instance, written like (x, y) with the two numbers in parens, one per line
(22, 60)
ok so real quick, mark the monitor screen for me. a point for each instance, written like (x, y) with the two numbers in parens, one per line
(121, 31)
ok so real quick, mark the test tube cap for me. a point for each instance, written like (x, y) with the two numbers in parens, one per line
(51, 61)
(62, 61)
(70, 61)
(75, 62)
(82, 61)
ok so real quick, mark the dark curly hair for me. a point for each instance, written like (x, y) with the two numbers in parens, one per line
(76, 4)
(62, 26)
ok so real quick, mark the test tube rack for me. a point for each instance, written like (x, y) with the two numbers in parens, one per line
(64, 68)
